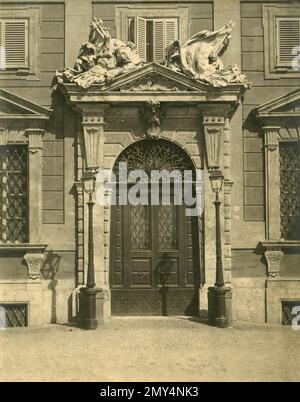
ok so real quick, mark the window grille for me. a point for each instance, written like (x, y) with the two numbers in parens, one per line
(13, 315)
(14, 194)
(287, 307)
(290, 190)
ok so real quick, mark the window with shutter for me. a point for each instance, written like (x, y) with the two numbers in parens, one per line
(152, 36)
(14, 43)
(288, 37)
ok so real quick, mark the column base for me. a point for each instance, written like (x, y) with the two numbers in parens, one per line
(87, 308)
(219, 306)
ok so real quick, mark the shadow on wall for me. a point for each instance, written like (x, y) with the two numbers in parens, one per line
(49, 271)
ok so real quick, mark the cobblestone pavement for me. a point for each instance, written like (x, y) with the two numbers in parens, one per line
(150, 349)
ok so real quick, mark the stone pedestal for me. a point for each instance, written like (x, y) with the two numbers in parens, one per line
(87, 307)
(219, 306)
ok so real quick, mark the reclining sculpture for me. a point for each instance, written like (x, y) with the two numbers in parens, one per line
(103, 58)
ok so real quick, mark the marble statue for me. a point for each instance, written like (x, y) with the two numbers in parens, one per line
(199, 58)
(101, 59)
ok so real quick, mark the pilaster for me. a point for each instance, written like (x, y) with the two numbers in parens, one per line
(35, 147)
(272, 182)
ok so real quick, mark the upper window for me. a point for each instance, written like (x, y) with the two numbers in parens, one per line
(287, 41)
(13, 43)
(152, 35)
(281, 41)
(152, 27)
(19, 42)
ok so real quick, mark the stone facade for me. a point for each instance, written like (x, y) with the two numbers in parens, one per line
(151, 102)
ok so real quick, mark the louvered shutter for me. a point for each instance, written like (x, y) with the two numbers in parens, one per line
(164, 32)
(171, 31)
(141, 31)
(16, 43)
(288, 37)
(2, 50)
(158, 41)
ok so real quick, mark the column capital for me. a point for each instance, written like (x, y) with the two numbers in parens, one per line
(271, 134)
(35, 139)
(92, 114)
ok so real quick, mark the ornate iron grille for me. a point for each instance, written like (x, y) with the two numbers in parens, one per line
(15, 315)
(151, 155)
(287, 307)
(14, 194)
(290, 190)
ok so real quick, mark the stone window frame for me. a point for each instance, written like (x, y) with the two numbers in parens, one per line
(32, 137)
(270, 13)
(32, 14)
(123, 13)
(273, 135)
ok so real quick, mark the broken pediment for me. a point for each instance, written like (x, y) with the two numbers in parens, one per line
(14, 107)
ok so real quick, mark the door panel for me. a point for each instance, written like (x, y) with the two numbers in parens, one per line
(154, 261)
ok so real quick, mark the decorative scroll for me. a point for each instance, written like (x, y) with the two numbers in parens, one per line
(199, 58)
(13, 196)
(101, 59)
(290, 190)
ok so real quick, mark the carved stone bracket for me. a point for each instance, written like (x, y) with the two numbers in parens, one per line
(34, 264)
(213, 130)
(93, 122)
(153, 119)
(273, 258)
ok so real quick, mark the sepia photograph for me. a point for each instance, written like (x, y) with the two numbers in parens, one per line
(149, 194)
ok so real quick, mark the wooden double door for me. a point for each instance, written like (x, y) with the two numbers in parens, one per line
(155, 264)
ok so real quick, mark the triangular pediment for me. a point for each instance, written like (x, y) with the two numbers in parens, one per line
(12, 106)
(155, 78)
(284, 106)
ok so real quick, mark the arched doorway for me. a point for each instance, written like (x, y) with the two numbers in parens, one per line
(155, 253)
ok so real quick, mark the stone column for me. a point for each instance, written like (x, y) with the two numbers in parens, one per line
(35, 146)
(272, 182)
